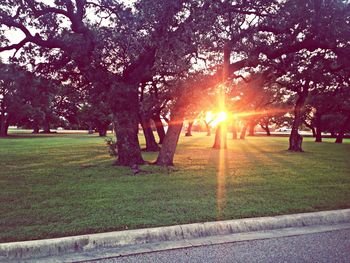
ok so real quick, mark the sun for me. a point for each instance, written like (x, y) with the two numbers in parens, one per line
(222, 116)
(215, 118)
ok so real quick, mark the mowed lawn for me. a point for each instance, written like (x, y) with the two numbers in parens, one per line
(61, 185)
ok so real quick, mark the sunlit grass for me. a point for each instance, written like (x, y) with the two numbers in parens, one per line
(61, 185)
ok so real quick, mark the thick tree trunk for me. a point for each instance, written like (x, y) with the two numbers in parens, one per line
(126, 121)
(295, 139)
(207, 127)
(167, 151)
(159, 126)
(151, 144)
(251, 129)
(189, 129)
(220, 141)
(243, 132)
(341, 133)
(220, 137)
(102, 130)
(318, 128)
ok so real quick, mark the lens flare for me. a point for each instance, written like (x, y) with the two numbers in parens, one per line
(217, 118)
(222, 116)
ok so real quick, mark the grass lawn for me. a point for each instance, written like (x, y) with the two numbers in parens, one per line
(61, 185)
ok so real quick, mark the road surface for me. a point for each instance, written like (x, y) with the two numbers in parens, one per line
(333, 246)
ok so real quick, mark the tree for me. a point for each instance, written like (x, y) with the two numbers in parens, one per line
(186, 93)
(96, 116)
(23, 97)
(134, 36)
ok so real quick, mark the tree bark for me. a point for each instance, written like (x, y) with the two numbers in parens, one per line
(220, 137)
(126, 120)
(102, 130)
(189, 129)
(243, 132)
(167, 151)
(318, 127)
(46, 125)
(341, 133)
(151, 144)
(295, 139)
(159, 126)
(251, 129)
(220, 141)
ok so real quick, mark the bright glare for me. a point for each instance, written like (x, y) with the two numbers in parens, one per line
(222, 116)
(215, 119)
(209, 117)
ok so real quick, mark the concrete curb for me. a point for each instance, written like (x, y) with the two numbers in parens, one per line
(85, 243)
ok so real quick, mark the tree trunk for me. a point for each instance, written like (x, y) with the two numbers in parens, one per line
(102, 130)
(268, 133)
(167, 151)
(234, 131)
(340, 135)
(251, 129)
(189, 129)
(151, 144)
(312, 128)
(207, 126)
(266, 128)
(4, 125)
(126, 121)
(159, 126)
(220, 141)
(318, 128)
(243, 132)
(220, 137)
(295, 139)
(36, 129)
(46, 126)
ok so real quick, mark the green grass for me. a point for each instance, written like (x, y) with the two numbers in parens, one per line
(60, 185)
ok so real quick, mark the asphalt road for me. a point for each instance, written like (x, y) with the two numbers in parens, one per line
(331, 246)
